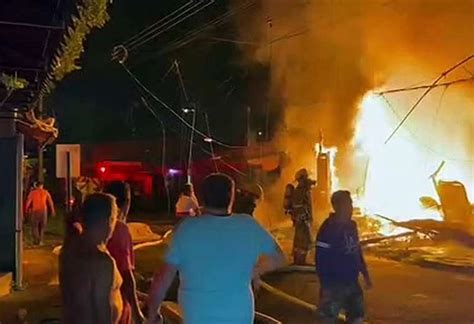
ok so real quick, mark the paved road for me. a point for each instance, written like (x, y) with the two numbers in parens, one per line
(402, 293)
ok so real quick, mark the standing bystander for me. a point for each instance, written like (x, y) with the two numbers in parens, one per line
(187, 204)
(339, 261)
(88, 277)
(37, 204)
(216, 255)
(121, 248)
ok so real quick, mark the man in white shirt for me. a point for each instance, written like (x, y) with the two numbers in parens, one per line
(187, 204)
(216, 255)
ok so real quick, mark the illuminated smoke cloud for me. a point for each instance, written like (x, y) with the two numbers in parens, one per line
(346, 49)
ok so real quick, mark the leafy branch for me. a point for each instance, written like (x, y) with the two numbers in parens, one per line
(11, 83)
(91, 14)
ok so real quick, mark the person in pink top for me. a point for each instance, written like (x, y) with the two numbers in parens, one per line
(120, 247)
(37, 204)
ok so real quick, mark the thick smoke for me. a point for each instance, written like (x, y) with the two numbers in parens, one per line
(346, 48)
(343, 49)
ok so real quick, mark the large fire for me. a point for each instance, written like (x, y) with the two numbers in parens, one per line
(323, 77)
(398, 172)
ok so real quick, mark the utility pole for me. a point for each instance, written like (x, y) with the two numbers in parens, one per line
(248, 125)
(40, 147)
(211, 144)
(267, 99)
(187, 110)
(191, 141)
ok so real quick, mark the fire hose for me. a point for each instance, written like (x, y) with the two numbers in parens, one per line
(153, 243)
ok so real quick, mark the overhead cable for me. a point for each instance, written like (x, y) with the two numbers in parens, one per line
(421, 87)
(211, 154)
(156, 25)
(195, 33)
(163, 151)
(420, 142)
(185, 15)
(171, 110)
(435, 82)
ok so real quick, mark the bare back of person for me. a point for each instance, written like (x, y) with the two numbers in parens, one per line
(90, 285)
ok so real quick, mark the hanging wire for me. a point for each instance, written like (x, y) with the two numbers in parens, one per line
(163, 152)
(181, 119)
(418, 141)
(173, 24)
(424, 86)
(435, 82)
(165, 22)
(163, 25)
(222, 160)
(433, 124)
(195, 33)
(155, 26)
(227, 164)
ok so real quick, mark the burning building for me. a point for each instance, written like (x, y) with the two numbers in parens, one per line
(331, 62)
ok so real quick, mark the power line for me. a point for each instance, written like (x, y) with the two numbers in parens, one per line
(420, 142)
(435, 82)
(228, 165)
(211, 154)
(165, 22)
(163, 151)
(444, 84)
(234, 41)
(244, 42)
(145, 31)
(162, 26)
(161, 102)
(173, 24)
(194, 34)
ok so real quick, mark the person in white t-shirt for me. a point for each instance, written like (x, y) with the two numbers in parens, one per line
(187, 204)
(217, 256)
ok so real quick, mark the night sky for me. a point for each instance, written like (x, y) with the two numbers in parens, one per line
(100, 102)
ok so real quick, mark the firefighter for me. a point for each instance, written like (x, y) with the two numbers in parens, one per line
(297, 203)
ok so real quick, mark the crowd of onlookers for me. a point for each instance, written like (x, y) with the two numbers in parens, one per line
(216, 251)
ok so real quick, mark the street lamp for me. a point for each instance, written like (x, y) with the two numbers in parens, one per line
(191, 140)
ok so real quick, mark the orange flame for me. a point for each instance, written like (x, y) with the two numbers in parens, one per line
(397, 172)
